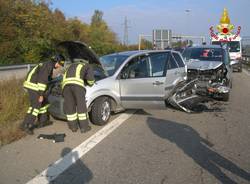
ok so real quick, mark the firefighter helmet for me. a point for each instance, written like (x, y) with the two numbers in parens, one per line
(59, 58)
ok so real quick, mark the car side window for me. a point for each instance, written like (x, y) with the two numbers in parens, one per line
(171, 63)
(178, 59)
(157, 64)
(137, 68)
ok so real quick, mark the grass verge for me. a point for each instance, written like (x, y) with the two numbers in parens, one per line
(13, 106)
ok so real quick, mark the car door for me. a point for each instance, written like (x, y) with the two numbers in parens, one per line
(142, 81)
(173, 75)
(182, 69)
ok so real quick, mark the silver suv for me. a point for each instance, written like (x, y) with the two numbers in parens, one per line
(125, 80)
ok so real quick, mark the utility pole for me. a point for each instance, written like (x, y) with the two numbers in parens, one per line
(125, 36)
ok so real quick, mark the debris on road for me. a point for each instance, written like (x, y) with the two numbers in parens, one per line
(55, 137)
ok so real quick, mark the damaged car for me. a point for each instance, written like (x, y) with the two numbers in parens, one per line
(210, 67)
(125, 80)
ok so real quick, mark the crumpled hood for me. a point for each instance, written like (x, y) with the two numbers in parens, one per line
(203, 65)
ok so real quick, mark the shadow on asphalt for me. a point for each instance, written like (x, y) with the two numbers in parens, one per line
(77, 173)
(196, 147)
(142, 112)
(214, 107)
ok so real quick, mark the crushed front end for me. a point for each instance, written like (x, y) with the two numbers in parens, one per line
(201, 86)
(214, 83)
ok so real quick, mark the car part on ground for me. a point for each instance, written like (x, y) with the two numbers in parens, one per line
(54, 137)
(185, 96)
(236, 65)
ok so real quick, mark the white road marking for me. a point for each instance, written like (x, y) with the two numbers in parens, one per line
(246, 72)
(65, 162)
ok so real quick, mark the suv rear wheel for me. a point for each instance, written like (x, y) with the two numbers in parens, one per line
(100, 111)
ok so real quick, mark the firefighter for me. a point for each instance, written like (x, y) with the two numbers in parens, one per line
(76, 77)
(36, 85)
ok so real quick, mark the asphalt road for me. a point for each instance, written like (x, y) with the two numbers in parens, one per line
(152, 147)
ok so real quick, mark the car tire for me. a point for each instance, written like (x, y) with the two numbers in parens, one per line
(225, 97)
(100, 111)
(231, 83)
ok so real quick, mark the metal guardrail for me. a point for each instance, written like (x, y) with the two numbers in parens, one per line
(16, 67)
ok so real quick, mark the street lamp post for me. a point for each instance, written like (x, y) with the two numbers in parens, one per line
(188, 11)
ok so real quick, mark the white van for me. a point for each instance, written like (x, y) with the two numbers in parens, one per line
(235, 52)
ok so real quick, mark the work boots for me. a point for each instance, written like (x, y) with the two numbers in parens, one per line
(27, 128)
(72, 126)
(43, 124)
(84, 130)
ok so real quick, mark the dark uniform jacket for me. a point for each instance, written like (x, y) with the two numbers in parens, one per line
(38, 78)
(80, 74)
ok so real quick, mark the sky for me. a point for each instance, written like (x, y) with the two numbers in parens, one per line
(145, 15)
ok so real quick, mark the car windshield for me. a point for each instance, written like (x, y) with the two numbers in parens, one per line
(234, 46)
(203, 54)
(111, 63)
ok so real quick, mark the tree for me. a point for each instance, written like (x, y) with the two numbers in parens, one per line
(96, 19)
(145, 44)
(30, 30)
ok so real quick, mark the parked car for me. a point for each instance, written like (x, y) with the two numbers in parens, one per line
(125, 80)
(210, 64)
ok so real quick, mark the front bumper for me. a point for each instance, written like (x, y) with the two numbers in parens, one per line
(186, 95)
(56, 107)
(236, 64)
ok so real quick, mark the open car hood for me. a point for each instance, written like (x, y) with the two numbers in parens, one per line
(79, 50)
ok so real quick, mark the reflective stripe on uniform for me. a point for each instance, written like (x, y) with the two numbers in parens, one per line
(74, 80)
(35, 112)
(29, 110)
(90, 82)
(31, 73)
(44, 109)
(31, 85)
(71, 117)
(41, 87)
(78, 71)
(82, 116)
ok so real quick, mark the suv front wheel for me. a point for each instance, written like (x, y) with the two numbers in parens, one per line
(100, 111)
(225, 97)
